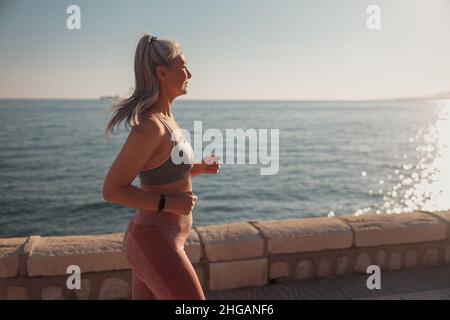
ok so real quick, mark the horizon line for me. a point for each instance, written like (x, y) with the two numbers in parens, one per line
(250, 100)
(442, 95)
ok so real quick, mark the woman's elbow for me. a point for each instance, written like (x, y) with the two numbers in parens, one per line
(108, 194)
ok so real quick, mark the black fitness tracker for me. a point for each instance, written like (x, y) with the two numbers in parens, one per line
(162, 202)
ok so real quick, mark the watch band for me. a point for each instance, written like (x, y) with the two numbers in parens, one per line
(162, 202)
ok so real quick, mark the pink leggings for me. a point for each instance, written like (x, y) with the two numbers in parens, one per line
(154, 247)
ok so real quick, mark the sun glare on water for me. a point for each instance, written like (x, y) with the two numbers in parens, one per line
(422, 184)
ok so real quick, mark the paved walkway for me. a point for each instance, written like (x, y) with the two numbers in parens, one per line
(421, 283)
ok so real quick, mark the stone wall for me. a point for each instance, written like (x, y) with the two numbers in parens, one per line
(238, 255)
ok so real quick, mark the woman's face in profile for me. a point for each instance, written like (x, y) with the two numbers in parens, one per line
(178, 76)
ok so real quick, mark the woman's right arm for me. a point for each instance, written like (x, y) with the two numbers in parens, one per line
(140, 146)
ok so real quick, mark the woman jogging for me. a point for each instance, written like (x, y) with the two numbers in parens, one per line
(154, 239)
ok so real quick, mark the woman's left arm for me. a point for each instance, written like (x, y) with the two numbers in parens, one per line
(205, 168)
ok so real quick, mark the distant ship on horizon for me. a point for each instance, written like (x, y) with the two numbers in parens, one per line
(109, 98)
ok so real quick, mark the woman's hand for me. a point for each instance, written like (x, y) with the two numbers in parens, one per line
(180, 203)
(209, 165)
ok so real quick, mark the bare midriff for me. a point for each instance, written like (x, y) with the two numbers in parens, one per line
(183, 185)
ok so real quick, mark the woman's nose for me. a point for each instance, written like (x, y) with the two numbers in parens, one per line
(189, 74)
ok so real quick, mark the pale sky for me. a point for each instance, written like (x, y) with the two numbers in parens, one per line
(236, 49)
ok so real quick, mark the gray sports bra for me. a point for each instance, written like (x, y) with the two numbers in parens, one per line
(167, 171)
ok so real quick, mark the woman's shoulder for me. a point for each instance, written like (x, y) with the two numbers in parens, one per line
(149, 126)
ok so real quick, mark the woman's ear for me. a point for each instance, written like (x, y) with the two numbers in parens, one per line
(161, 73)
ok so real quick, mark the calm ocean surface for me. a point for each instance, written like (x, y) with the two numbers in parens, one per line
(335, 158)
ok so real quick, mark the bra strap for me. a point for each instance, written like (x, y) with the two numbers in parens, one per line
(167, 157)
(164, 122)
